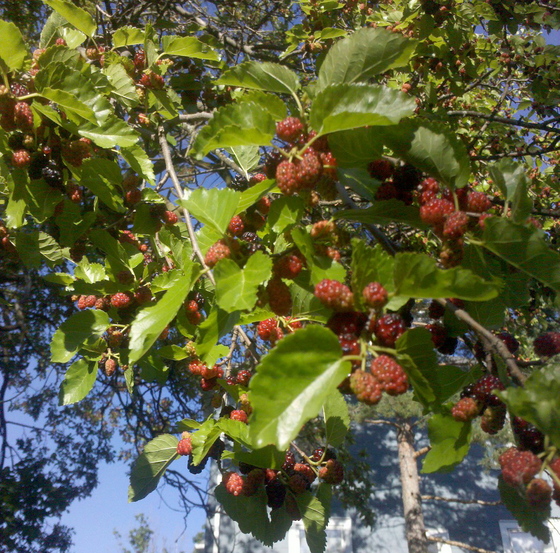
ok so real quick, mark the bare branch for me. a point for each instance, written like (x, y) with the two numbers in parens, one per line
(464, 501)
(459, 544)
(494, 343)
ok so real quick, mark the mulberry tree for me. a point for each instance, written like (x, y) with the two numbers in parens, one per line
(269, 215)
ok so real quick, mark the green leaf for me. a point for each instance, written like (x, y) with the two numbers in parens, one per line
(315, 519)
(309, 366)
(78, 381)
(285, 212)
(530, 519)
(383, 213)
(366, 53)
(337, 419)
(139, 162)
(450, 442)
(152, 463)
(126, 36)
(173, 352)
(252, 195)
(203, 439)
(89, 272)
(242, 124)
(370, 265)
(73, 37)
(34, 247)
(188, 46)
(419, 361)
(236, 288)
(150, 321)
(50, 30)
(350, 106)
(538, 402)
(213, 207)
(113, 132)
(250, 513)
(13, 50)
(321, 267)
(247, 157)
(511, 179)
(356, 147)
(524, 247)
(70, 104)
(417, 276)
(76, 16)
(123, 85)
(266, 457)
(431, 148)
(359, 181)
(73, 332)
(186, 425)
(103, 177)
(217, 324)
(271, 77)
(272, 103)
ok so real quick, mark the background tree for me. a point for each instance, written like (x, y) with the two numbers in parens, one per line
(118, 134)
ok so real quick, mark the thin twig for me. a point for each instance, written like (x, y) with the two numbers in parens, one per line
(422, 451)
(386, 243)
(459, 544)
(465, 501)
(495, 344)
(187, 216)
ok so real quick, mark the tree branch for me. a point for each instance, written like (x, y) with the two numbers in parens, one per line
(504, 120)
(464, 501)
(459, 544)
(494, 343)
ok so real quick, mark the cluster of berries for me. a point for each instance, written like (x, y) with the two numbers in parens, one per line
(119, 300)
(307, 172)
(193, 305)
(284, 485)
(443, 342)
(43, 157)
(478, 400)
(5, 243)
(385, 374)
(128, 237)
(450, 216)
(131, 188)
(271, 331)
(15, 114)
(208, 375)
(396, 182)
(519, 470)
(241, 237)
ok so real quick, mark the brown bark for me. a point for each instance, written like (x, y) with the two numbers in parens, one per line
(410, 482)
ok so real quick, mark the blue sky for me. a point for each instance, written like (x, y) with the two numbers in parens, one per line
(94, 519)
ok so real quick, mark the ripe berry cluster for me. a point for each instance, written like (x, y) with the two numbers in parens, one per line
(450, 215)
(305, 172)
(478, 399)
(396, 182)
(519, 469)
(193, 305)
(282, 486)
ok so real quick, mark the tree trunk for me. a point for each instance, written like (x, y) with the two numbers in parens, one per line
(410, 481)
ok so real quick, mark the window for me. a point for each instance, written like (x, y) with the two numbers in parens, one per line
(339, 537)
(517, 541)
